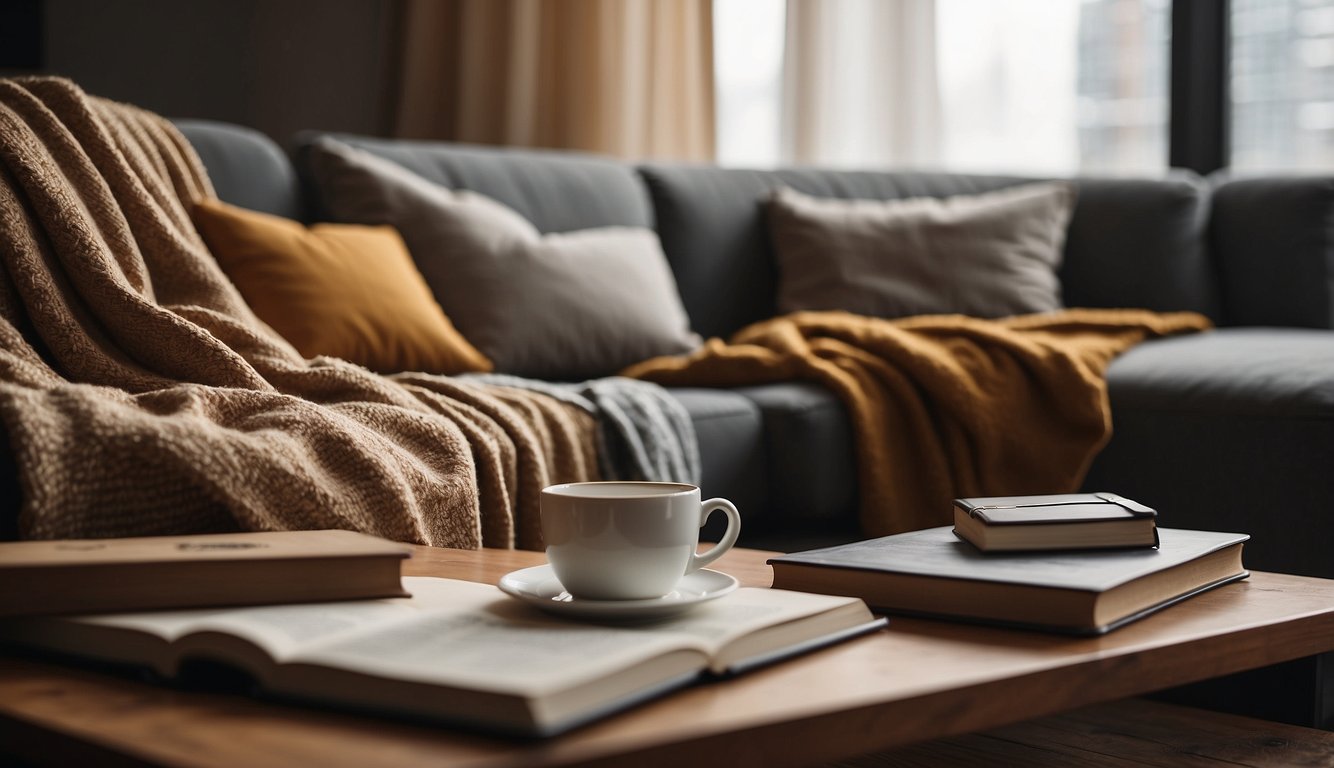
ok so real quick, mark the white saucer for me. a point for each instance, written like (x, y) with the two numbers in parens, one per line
(539, 587)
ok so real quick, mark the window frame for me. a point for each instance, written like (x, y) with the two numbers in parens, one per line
(1199, 119)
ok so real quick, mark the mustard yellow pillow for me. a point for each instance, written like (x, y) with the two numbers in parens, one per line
(337, 289)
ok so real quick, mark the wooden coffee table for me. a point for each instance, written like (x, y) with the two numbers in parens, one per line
(916, 681)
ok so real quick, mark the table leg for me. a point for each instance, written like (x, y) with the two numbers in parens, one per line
(1299, 692)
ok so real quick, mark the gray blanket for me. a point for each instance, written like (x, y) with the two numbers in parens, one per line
(643, 432)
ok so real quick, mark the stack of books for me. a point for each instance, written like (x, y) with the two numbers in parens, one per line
(1076, 563)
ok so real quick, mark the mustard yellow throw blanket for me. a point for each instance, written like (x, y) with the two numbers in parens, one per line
(943, 406)
(142, 396)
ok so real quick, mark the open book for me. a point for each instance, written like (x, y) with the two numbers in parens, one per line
(459, 651)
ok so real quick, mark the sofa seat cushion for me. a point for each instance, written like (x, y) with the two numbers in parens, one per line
(1234, 431)
(1265, 372)
(809, 444)
(731, 450)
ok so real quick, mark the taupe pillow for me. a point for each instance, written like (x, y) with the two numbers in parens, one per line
(559, 307)
(988, 255)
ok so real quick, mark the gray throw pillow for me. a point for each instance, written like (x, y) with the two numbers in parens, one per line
(987, 255)
(566, 306)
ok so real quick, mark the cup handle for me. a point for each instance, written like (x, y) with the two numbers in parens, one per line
(729, 538)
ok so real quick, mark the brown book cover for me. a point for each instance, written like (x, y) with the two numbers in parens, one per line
(104, 575)
(1060, 521)
(934, 573)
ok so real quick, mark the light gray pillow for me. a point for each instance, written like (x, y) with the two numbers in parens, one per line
(987, 255)
(560, 307)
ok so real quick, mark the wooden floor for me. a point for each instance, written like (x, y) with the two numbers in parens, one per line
(1133, 732)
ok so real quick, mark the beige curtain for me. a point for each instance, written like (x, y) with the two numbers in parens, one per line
(860, 86)
(631, 78)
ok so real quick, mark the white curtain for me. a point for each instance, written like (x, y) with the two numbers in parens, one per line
(860, 84)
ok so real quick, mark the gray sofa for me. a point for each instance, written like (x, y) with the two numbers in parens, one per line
(1231, 430)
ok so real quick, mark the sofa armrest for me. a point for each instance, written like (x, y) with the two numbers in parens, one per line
(1274, 242)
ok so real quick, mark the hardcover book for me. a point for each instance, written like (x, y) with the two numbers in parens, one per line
(932, 572)
(84, 575)
(1062, 521)
(460, 652)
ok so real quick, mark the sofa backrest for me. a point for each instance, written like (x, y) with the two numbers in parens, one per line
(1131, 243)
(246, 167)
(1274, 239)
(556, 191)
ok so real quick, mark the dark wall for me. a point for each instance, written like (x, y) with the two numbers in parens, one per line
(276, 65)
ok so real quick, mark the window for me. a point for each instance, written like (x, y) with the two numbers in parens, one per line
(1037, 86)
(1123, 84)
(1282, 84)
(1008, 72)
(1029, 86)
(748, 74)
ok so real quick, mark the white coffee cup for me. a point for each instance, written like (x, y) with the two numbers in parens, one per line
(628, 540)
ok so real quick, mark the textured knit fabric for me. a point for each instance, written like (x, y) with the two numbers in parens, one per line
(643, 432)
(142, 396)
(943, 406)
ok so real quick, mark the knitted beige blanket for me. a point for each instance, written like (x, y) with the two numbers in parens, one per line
(141, 396)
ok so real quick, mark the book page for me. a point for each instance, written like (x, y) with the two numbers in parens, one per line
(281, 630)
(142, 640)
(509, 647)
(502, 646)
(168, 625)
(472, 635)
(746, 611)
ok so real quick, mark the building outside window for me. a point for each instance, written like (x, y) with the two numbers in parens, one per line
(1123, 81)
(1282, 84)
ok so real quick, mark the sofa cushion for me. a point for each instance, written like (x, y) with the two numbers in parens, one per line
(339, 290)
(561, 306)
(1231, 430)
(1130, 243)
(1140, 243)
(1236, 371)
(988, 255)
(246, 167)
(731, 449)
(555, 191)
(812, 461)
(1275, 243)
